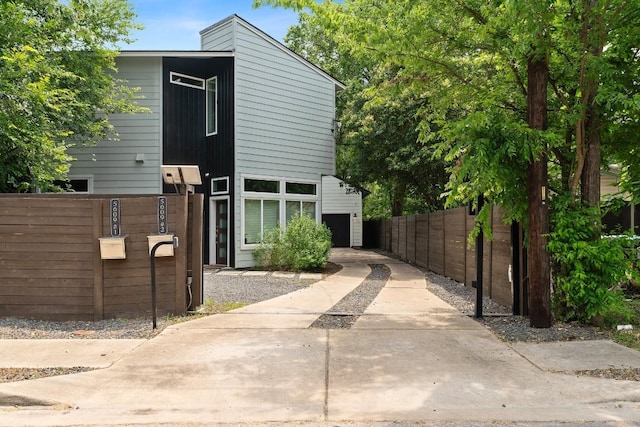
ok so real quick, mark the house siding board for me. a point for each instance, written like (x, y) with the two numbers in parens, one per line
(284, 116)
(218, 37)
(285, 110)
(112, 163)
(184, 135)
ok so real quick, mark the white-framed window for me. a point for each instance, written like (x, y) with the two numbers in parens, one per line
(268, 202)
(212, 106)
(302, 188)
(219, 186)
(260, 216)
(299, 207)
(82, 184)
(185, 80)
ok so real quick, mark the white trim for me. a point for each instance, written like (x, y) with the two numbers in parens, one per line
(281, 196)
(217, 193)
(215, 118)
(176, 53)
(178, 82)
(89, 179)
(213, 255)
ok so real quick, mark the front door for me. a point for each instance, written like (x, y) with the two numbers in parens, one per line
(219, 253)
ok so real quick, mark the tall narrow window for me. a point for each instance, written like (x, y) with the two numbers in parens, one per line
(212, 106)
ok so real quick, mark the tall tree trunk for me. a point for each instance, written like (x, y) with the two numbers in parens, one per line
(539, 268)
(592, 35)
(398, 193)
(592, 160)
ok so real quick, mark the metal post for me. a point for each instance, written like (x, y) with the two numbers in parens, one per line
(152, 255)
(479, 262)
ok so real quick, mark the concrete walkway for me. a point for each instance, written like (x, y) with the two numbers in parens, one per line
(409, 358)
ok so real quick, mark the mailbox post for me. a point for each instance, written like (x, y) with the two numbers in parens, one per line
(152, 256)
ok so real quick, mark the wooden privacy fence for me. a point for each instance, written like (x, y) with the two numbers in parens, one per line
(51, 265)
(438, 242)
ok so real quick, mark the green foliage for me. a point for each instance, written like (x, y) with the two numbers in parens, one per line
(587, 269)
(303, 246)
(57, 61)
(378, 143)
(468, 59)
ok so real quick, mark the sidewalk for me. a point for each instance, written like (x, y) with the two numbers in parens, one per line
(410, 357)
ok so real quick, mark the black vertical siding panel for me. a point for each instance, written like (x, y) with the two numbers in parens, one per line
(184, 129)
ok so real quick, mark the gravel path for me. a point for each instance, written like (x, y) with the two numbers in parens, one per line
(346, 312)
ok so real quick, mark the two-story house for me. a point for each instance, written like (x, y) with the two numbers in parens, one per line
(255, 117)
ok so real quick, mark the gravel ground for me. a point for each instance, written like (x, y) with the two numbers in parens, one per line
(234, 290)
(248, 289)
(346, 312)
(499, 319)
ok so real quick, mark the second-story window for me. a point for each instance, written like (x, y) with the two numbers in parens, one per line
(212, 106)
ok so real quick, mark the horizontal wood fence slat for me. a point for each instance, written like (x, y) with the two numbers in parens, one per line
(51, 265)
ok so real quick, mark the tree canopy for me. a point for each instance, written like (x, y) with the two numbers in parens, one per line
(57, 84)
(470, 58)
(528, 99)
(377, 141)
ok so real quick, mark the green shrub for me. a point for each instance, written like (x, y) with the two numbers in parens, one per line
(303, 246)
(587, 269)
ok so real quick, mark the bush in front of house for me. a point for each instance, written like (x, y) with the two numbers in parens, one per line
(303, 246)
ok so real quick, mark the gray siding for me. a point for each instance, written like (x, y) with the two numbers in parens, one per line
(112, 163)
(218, 37)
(284, 112)
(335, 200)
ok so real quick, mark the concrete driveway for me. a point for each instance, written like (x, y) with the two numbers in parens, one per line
(410, 358)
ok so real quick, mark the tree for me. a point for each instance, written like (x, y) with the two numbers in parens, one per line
(378, 142)
(57, 84)
(478, 63)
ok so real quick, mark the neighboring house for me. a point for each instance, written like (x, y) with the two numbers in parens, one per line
(342, 212)
(627, 218)
(255, 117)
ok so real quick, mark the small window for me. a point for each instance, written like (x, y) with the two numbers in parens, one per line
(188, 81)
(300, 188)
(75, 185)
(212, 106)
(261, 186)
(220, 185)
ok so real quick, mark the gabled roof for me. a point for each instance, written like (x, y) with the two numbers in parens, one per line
(338, 84)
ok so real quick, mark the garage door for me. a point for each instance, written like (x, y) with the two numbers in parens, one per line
(340, 226)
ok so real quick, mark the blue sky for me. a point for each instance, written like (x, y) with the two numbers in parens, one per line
(176, 24)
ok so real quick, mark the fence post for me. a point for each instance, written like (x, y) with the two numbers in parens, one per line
(98, 273)
(182, 211)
